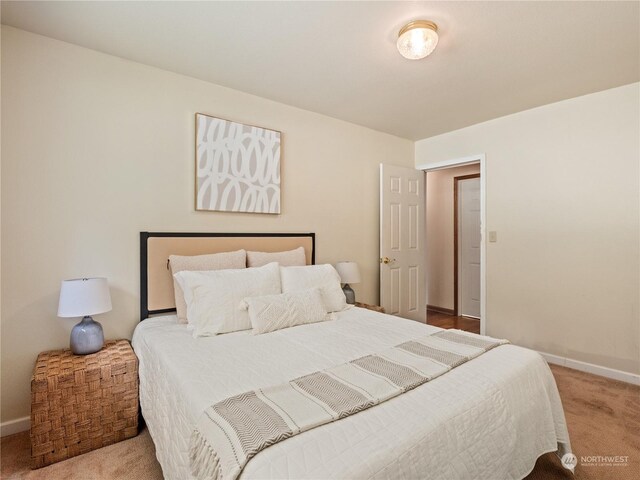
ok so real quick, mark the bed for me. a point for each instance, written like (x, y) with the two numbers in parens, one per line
(491, 417)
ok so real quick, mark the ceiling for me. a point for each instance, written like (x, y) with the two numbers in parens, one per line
(340, 59)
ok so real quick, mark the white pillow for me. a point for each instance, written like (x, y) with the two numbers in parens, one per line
(214, 261)
(324, 277)
(289, 258)
(274, 312)
(214, 298)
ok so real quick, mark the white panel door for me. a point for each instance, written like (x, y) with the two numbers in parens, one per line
(402, 237)
(469, 247)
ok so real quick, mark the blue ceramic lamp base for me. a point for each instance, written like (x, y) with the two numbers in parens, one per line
(87, 337)
(349, 294)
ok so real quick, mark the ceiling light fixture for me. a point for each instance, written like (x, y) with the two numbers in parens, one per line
(417, 39)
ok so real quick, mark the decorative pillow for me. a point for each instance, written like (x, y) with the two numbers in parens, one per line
(214, 261)
(214, 298)
(289, 258)
(324, 277)
(275, 312)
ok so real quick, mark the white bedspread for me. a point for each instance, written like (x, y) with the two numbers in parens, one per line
(490, 418)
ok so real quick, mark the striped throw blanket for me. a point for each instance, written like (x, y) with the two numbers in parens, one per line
(231, 432)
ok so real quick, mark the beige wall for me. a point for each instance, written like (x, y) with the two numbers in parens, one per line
(563, 195)
(96, 149)
(440, 234)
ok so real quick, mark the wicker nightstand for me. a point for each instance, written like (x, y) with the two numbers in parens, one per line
(82, 402)
(375, 308)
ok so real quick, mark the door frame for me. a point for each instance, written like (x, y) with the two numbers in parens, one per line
(457, 162)
(456, 262)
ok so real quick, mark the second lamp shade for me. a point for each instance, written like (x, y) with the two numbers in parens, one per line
(348, 271)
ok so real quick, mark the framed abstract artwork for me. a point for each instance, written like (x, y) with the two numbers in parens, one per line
(237, 166)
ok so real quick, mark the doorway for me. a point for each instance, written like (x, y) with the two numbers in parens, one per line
(455, 248)
(403, 264)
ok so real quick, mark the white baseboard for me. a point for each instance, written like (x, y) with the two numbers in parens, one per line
(15, 426)
(591, 368)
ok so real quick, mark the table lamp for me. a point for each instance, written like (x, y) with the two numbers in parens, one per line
(349, 273)
(83, 297)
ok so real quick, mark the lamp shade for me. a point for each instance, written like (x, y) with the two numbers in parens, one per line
(348, 271)
(84, 296)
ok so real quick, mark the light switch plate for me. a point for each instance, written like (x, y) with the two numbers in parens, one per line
(493, 236)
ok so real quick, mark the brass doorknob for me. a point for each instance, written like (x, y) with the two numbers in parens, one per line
(387, 260)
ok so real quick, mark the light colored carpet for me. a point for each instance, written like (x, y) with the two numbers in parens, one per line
(132, 459)
(603, 417)
(604, 420)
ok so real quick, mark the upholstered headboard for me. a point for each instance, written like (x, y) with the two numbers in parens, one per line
(156, 283)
